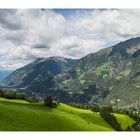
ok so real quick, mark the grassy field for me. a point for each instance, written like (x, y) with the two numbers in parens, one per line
(19, 115)
(16, 115)
(124, 120)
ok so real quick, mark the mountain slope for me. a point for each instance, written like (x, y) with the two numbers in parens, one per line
(41, 69)
(109, 76)
(112, 75)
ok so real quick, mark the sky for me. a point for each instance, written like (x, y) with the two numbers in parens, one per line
(28, 34)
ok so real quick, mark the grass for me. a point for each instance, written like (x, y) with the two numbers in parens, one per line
(124, 120)
(14, 100)
(20, 115)
(17, 115)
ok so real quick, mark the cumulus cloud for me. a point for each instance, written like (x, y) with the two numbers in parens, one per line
(29, 34)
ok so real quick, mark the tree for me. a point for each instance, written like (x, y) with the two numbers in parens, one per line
(1, 93)
(48, 101)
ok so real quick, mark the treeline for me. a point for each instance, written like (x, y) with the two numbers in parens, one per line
(78, 105)
(107, 114)
(8, 94)
(136, 117)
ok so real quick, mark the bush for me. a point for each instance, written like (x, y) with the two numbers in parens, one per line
(32, 99)
(48, 101)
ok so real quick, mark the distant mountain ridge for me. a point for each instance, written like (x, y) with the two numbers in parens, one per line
(111, 75)
(39, 69)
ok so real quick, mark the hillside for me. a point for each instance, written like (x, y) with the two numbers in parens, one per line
(23, 116)
(111, 75)
(29, 117)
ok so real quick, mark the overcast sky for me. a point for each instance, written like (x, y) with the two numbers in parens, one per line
(26, 35)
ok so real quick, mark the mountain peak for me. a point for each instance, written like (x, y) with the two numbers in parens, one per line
(54, 58)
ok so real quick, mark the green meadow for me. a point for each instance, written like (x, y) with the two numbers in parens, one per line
(20, 115)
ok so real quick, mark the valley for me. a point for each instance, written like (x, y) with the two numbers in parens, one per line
(109, 76)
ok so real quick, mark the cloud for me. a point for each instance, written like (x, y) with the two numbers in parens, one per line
(9, 21)
(110, 24)
(29, 34)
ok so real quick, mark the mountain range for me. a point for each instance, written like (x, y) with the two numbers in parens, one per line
(109, 76)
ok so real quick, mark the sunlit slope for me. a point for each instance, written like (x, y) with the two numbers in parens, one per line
(35, 117)
(124, 120)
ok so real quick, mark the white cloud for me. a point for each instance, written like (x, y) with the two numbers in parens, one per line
(29, 34)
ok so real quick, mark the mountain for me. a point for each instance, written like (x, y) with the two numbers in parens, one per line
(111, 75)
(39, 70)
